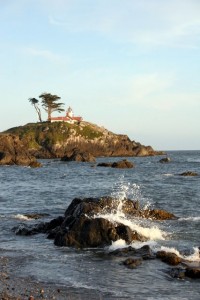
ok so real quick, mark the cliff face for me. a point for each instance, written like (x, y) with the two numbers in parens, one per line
(14, 152)
(51, 140)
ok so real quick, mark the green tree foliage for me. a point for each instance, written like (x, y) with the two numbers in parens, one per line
(50, 104)
(34, 102)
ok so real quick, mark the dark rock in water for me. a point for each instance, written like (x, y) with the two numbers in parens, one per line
(44, 227)
(103, 164)
(77, 155)
(84, 226)
(122, 164)
(190, 271)
(94, 232)
(177, 273)
(165, 160)
(132, 263)
(144, 252)
(193, 272)
(189, 173)
(169, 258)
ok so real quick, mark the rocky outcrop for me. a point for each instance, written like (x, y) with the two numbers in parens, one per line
(122, 164)
(57, 140)
(14, 152)
(83, 224)
(77, 155)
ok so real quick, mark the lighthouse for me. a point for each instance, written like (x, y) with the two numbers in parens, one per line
(69, 117)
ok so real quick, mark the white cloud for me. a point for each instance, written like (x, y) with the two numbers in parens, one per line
(173, 23)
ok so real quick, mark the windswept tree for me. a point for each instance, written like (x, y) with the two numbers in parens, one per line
(34, 102)
(50, 104)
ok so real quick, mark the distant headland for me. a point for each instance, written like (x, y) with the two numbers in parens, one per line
(56, 139)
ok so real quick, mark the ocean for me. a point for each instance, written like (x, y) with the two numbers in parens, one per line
(50, 189)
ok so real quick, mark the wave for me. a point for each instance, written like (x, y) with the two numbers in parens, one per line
(191, 257)
(168, 174)
(194, 219)
(21, 217)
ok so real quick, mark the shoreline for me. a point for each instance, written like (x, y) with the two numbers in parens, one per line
(14, 287)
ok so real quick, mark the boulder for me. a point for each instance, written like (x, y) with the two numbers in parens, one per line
(192, 272)
(104, 165)
(122, 164)
(83, 224)
(165, 160)
(77, 155)
(132, 263)
(169, 257)
(189, 173)
(181, 273)
(97, 232)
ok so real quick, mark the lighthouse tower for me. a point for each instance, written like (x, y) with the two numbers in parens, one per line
(69, 112)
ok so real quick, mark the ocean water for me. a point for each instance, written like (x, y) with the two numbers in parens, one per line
(50, 189)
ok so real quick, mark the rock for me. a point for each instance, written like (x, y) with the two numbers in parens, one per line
(119, 164)
(77, 155)
(122, 164)
(157, 214)
(44, 227)
(104, 165)
(165, 160)
(189, 173)
(177, 273)
(193, 272)
(169, 258)
(58, 139)
(132, 263)
(35, 164)
(83, 225)
(93, 206)
(144, 252)
(14, 152)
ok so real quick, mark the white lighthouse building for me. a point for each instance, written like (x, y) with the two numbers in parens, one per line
(69, 117)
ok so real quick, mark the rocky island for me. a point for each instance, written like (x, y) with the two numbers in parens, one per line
(57, 139)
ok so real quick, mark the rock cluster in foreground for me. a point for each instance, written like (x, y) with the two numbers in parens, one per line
(84, 226)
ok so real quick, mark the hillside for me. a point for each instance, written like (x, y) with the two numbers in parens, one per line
(54, 140)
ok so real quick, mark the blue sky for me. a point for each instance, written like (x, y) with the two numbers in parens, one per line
(130, 66)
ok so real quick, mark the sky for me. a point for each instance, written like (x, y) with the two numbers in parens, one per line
(130, 66)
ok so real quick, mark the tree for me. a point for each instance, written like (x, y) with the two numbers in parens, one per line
(49, 103)
(34, 102)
